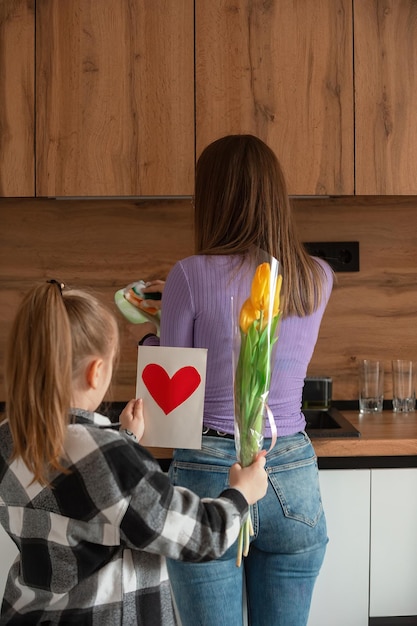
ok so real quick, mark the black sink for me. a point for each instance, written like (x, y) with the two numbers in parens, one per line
(328, 423)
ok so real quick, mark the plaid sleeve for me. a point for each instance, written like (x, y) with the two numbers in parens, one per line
(175, 522)
(154, 515)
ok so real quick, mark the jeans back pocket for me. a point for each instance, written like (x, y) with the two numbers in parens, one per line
(296, 485)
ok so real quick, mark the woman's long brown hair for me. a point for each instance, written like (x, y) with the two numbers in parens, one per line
(53, 334)
(242, 206)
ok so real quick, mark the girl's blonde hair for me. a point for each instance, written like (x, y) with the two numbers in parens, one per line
(54, 333)
(242, 206)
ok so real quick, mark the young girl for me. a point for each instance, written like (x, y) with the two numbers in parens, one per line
(89, 509)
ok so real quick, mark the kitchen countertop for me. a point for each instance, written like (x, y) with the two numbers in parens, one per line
(385, 436)
(387, 439)
(382, 434)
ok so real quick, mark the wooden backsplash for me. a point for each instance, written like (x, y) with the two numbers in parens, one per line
(105, 244)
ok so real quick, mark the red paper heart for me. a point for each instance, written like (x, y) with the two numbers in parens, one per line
(168, 392)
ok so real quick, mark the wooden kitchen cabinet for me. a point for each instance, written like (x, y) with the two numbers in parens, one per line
(385, 97)
(337, 104)
(127, 94)
(17, 107)
(281, 71)
(114, 98)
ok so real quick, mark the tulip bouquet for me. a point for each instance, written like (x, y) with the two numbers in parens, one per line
(258, 321)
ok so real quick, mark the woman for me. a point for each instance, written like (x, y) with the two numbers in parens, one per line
(241, 209)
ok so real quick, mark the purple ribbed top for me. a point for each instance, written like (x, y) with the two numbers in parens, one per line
(196, 312)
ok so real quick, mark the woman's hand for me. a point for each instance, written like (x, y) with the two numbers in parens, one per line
(154, 286)
(131, 418)
(150, 328)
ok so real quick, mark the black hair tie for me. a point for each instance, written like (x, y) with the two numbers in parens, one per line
(57, 283)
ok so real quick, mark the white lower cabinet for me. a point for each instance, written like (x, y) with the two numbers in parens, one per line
(341, 594)
(370, 569)
(393, 580)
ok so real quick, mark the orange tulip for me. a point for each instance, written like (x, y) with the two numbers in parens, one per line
(259, 294)
(248, 314)
(277, 297)
(253, 373)
(259, 298)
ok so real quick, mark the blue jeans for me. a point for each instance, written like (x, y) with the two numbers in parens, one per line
(286, 551)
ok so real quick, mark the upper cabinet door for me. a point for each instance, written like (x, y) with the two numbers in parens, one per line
(281, 70)
(17, 106)
(114, 98)
(386, 96)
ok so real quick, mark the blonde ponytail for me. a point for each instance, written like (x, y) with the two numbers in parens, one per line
(53, 335)
(38, 379)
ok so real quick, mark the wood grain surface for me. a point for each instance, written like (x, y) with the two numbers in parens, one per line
(106, 244)
(282, 71)
(372, 313)
(385, 96)
(17, 104)
(126, 93)
(114, 98)
(383, 434)
(99, 245)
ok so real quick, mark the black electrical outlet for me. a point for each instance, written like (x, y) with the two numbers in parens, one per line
(342, 256)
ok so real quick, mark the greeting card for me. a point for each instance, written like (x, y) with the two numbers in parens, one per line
(171, 382)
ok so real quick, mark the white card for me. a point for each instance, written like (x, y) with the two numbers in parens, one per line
(172, 382)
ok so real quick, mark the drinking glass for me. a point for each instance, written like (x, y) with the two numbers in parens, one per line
(371, 386)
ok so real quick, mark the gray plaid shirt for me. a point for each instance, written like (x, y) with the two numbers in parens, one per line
(92, 547)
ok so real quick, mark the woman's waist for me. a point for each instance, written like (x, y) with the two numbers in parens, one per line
(221, 451)
(225, 426)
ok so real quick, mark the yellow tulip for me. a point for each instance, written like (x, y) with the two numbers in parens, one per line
(277, 296)
(260, 287)
(253, 373)
(248, 314)
(260, 290)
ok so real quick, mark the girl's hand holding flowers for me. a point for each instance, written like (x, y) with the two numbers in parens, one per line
(251, 481)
